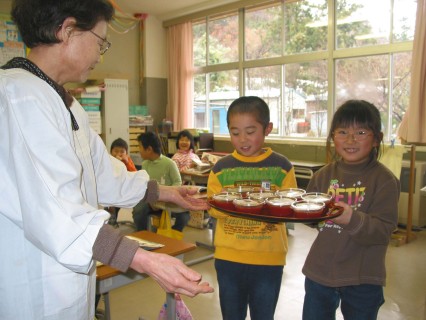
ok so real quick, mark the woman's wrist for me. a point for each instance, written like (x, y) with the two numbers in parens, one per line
(152, 193)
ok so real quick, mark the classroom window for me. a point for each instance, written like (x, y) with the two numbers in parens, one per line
(304, 58)
(362, 23)
(223, 39)
(199, 44)
(263, 32)
(305, 25)
(266, 82)
(404, 21)
(375, 77)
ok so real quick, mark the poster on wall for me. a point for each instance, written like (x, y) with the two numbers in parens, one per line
(11, 44)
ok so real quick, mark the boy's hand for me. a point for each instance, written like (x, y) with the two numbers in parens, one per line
(124, 158)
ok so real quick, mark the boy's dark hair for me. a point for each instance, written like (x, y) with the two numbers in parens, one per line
(39, 20)
(150, 139)
(185, 133)
(119, 143)
(360, 113)
(253, 105)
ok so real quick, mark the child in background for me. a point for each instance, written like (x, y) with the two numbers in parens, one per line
(346, 262)
(165, 171)
(120, 150)
(250, 255)
(185, 151)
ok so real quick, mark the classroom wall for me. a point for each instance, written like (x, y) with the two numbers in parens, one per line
(154, 80)
(122, 61)
(146, 73)
(5, 6)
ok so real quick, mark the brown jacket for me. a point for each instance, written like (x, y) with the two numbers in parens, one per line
(354, 254)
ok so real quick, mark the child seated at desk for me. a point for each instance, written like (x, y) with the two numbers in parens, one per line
(185, 155)
(165, 171)
(120, 150)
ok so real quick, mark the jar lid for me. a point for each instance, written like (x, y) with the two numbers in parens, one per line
(308, 206)
(291, 192)
(280, 201)
(248, 202)
(261, 195)
(226, 197)
(240, 189)
(317, 196)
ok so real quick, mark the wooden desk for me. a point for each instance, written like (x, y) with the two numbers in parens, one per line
(108, 278)
(195, 178)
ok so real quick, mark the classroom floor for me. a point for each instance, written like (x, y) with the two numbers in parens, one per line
(405, 292)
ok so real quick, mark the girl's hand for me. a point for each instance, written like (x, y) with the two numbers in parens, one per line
(346, 216)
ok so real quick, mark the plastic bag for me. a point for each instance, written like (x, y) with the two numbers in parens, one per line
(182, 311)
(165, 227)
(198, 219)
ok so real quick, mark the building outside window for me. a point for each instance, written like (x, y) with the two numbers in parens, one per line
(305, 58)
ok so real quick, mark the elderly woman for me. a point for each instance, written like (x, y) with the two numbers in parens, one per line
(55, 171)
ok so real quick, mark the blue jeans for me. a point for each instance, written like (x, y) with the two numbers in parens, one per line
(361, 302)
(243, 285)
(143, 210)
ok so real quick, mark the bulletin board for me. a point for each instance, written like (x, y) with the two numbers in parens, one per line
(11, 44)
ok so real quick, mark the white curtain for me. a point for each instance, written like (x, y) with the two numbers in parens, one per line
(412, 129)
(180, 66)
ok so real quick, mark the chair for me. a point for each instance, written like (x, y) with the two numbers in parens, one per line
(113, 220)
(205, 143)
(153, 220)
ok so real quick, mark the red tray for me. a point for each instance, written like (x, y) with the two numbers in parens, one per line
(266, 217)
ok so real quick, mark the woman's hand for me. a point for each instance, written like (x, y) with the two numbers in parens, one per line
(346, 216)
(183, 197)
(170, 273)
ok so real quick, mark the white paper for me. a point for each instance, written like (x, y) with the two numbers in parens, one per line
(147, 245)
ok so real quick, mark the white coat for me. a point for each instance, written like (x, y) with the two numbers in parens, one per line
(51, 182)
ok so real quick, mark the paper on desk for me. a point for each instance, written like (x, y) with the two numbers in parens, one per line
(202, 166)
(200, 163)
(197, 170)
(210, 158)
(145, 244)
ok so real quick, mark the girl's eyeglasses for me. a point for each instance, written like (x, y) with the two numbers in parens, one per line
(359, 135)
(104, 46)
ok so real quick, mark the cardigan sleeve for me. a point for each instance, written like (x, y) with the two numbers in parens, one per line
(113, 249)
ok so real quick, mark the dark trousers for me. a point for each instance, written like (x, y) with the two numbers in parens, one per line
(142, 211)
(246, 285)
(360, 302)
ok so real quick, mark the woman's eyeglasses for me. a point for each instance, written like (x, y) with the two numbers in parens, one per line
(104, 46)
(359, 135)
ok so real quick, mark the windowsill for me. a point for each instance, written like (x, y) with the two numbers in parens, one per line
(304, 142)
(278, 140)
